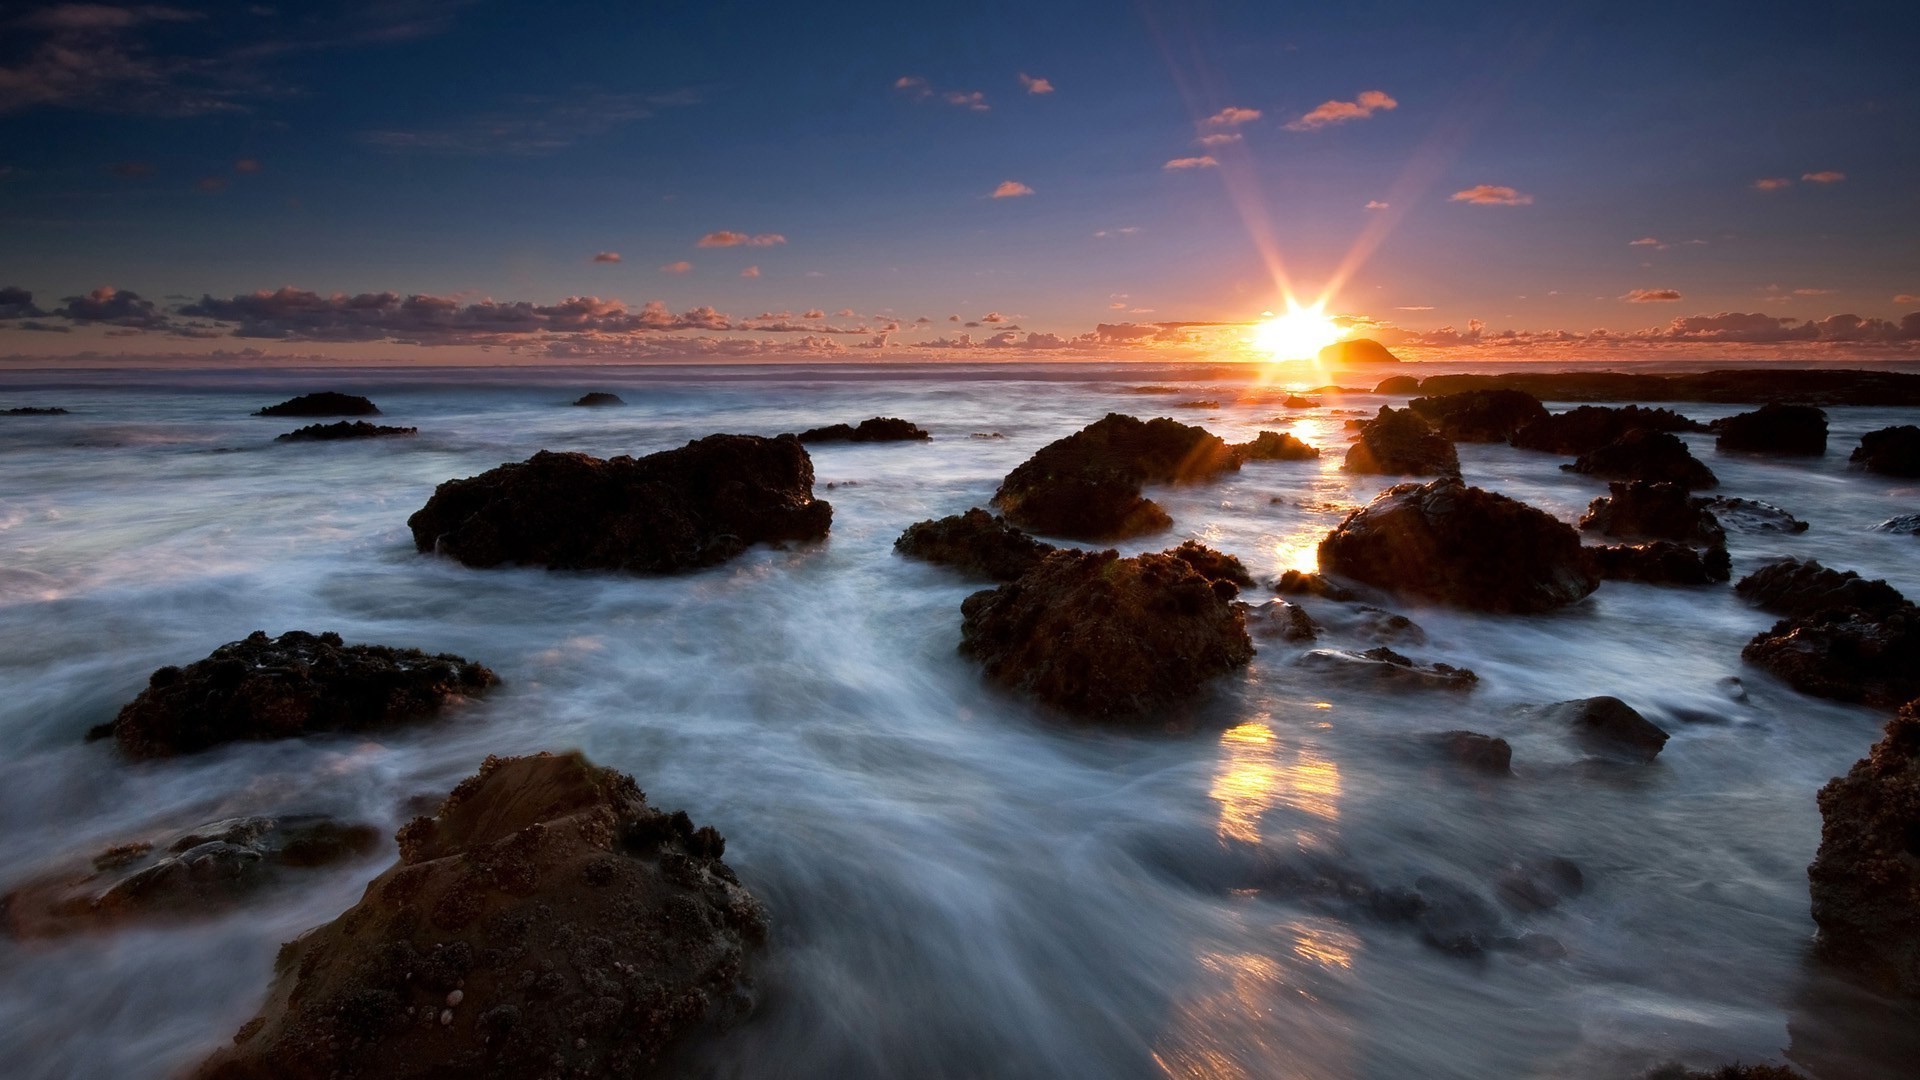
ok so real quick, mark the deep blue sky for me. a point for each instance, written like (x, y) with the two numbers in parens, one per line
(489, 150)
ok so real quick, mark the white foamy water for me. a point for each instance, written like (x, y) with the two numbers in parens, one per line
(959, 885)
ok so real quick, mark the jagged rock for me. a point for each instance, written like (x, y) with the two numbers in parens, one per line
(285, 687)
(1105, 637)
(1646, 455)
(1354, 351)
(1894, 451)
(1774, 429)
(1274, 446)
(1087, 485)
(1303, 583)
(1607, 723)
(325, 403)
(1398, 384)
(877, 429)
(545, 922)
(975, 542)
(1539, 884)
(1844, 653)
(676, 510)
(1905, 525)
(1399, 443)
(1663, 562)
(1768, 382)
(1794, 587)
(1459, 545)
(1476, 751)
(1383, 665)
(1661, 511)
(1751, 515)
(1866, 876)
(1590, 427)
(598, 398)
(1212, 565)
(356, 429)
(1480, 415)
(29, 410)
(1281, 619)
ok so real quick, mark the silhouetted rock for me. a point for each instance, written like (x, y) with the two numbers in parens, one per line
(1197, 403)
(677, 510)
(1894, 451)
(1355, 351)
(1383, 665)
(1813, 386)
(1300, 582)
(1736, 1071)
(1905, 525)
(1480, 415)
(1751, 515)
(1607, 723)
(1774, 429)
(1281, 619)
(1087, 485)
(546, 922)
(1464, 546)
(1212, 565)
(1398, 384)
(345, 429)
(1295, 401)
(598, 398)
(877, 429)
(29, 410)
(1476, 751)
(1844, 653)
(1659, 511)
(325, 403)
(1663, 562)
(1794, 587)
(1866, 876)
(281, 688)
(1105, 637)
(1646, 455)
(1274, 446)
(1399, 443)
(1539, 884)
(975, 542)
(1590, 427)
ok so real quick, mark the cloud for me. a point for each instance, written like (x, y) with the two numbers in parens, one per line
(607, 257)
(814, 313)
(290, 314)
(1220, 138)
(1416, 307)
(727, 238)
(1231, 117)
(993, 317)
(1339, 112)
(17, 303)
(913, 84)
(114, 307)
(1124, 230)
(1035, 85)
(246, 165)
(1010, 189)
(1843, 333)
(1646, 241)
(920, 89)
(1491, 195)
(1204, 161)
(1826, 176)
(1375, 204)
(1813, 292)
(1651, 296)
(750, 272)
(212, 184)
(1772, 183)
(1906, 298)
(967, 99)
(681, 267)
(845, 313)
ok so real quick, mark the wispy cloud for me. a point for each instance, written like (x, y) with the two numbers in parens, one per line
(681, 267)
(1491, 195)
(532, 125)
(1011, 189)
(1204, 161)
(728, 238)
(1826, 176)
(607, 257)
(1124, 230)
(1375, 204)
(919, 89)
(1772, 183)
(750, 272)
(1651, 296)
(1219, 138)
(1230, 117)
(1339, 112)
(1035, 84)
(1906, 298)
(1647, 241)
(975, 100)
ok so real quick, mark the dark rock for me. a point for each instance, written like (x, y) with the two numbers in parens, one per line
(1609, 723)
(1212, 565)
(1087, 485)
(1659, 511)
(598, 398)
(1398, 384)
(1385, 666)
(1480, 415)
(325, 403)
(1538, 884)
(1894, 451)
(1844, 653)
(1153, 390)
(1386, 626)
(285, 687)
(344, 429)
(1455, 919)
(877, 429)
(1197, 403)
(1793, 587)
(1866, 876)
(1751, 515)
(1274, 446)
(1905, 525)
(1399, 443)
(975, 542)
(1105, 637)
(1356, 351)
(673, 511)
(29, 410)
(1590, 427)
(1476, 751)
(546, 922)
(1281, 619)
(1302, 583)
(1460, 545)
(1736, 1071)
(1813, 386)
(1663, 562)
(1646, 455)
(1775, 429)
(1295, 401)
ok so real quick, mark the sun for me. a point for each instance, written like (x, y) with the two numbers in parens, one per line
(1299, 334)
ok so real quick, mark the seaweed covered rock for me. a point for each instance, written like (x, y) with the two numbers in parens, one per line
(1657, 511)
(344, 429)
(1894, 451)
(1212, 565)
(325, 403)
(1399, 443)
(1608, 724)
(975, 542)
(598, 399)
(1305, 583)
(1590, 427)
(1087, 485)
(280, 688)
(1274, 446)
(1480, 415)
(1774, 429)
(1844, 653)
(1752, 515)
(676, 510)
(1107, 638)
(545, 922)
(1796, 587)
(1460, 545)
(1866, 876)
(1663, 562)
(877, 429)
(1646, 455)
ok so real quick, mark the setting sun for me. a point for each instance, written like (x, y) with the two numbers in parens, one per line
(1299, 334)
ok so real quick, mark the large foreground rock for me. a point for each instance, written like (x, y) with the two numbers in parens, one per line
(676, 510)
(1775, 429)
(1087, 485)
(975, 542)
(1646, 455)
(279, 688)
(1590, 427)
(1460, 545)
(1866, 876)
(1399, 443)
(877, 429)
(1654, 511)
(325, 403)
(1894, 451)
(1480, 415)
(1107, 638)
(547, 922)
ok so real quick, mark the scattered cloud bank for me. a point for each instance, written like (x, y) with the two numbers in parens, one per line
(1651, 296)
(1491, 195)
(919, 89)
(727, 238)
(1339, 112)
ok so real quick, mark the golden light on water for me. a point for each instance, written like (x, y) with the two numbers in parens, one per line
(1257, 774)
(1297, 334)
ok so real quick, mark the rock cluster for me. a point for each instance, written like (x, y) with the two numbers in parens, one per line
(1844, 637)
(1866, 876)
(1662, 562)
(1774, 429)
(1087, 485)
(877, 429)
(29, 410)
(1894, 451)
(976, 543)
(1590, 427)
(344, 429)
(1646, 455)
(1480, 415)
(1639, 509)
(325, 403)
(1399, 443)
(1607, 724)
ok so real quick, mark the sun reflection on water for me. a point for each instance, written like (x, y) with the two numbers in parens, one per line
(1257, 774)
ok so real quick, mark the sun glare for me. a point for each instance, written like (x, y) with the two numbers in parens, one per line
(1299, 334)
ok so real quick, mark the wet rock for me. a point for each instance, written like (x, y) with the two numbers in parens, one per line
(677, 510)
(1662, 562)
(1480, 415)
(1815, 386)
(325, 403)
(1389, 627)
(1844, 653)
(1476, 751)
(1274, 446)
(182, 875)
(1607, 723)
(1906, 525)
(1866, 876)
(1659, 511)
(1399, 443)
(1736, 1071)
(1894, 451)
(286, 687)
(1281, 619)
(1197, 403)
(1774, 429)
(1295, 401)
(1356, 351)
(546, 922)
(1387, 667)
(1460, 545)
(975, 542)
(29, 410)
(1212, 565)
(1087, 485)
(877, 429)
(355, 429)
(1751, 515)
(1646, 455)
(1454, 918)
(598, 398)
(1796, 587)
(1104, 637)
(1590, 427)
(1306, 583)
(1398, 384)
(1538, 884)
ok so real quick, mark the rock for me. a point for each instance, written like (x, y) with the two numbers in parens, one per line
(1274, 446)
(1480, 415)
(1660, 511)
(1355, 351)
(1398, 384)
(1607, 723)
(1454, 919)
(1905, 525)
(877, 429)
(1894, 451)
(28, 410)
(1212, 565)
(1197, 403)
(1774, 429)
(357, 429)
(1646, 455)
(598, 398)
(1386, 626)
(1538, 884)
(975, 542)
(1758, 385)
(1590, 427)
(1295, 401)
(325, 403)
(1866, 876)
(1751, 515)
(1399, 443)
(1385, 666)
(672, 511)
(1299, 582)
(1460, 545)
(1476, 751)
(1794, 587)
(1736, 1071)
(1281, 619)
(1104, 637)
(1846, 654)
(286, 687)
(1087, 485)
(183, 875)
(1663, 562)
(584, 931)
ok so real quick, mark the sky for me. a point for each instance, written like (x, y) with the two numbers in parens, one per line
(478, 181)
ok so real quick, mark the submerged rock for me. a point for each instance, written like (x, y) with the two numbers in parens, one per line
(1663, 562)
(598, 398)
(1274, 446)
(545, 922)
(1905, 525)
(1607, 723)
(1385, 666)
(676, 510)
(29, 410)
(1476, 751)
(1796, 587)
(1480, 415)
(1539, 884)
(325, 403)
(1751, 515)
(1399, 443)
(1305, 583)
(1646, 455)
(1774, 429)
(1460, 545)
(1736, 1071)
(1104, 637)
(1659, 511)
(1894, 451)
(285, 687)
(1087, 485)
(1281, 619)
(356, 429)
(975, 542)
(1866, 876)
(877, 429)
(1590, 427)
